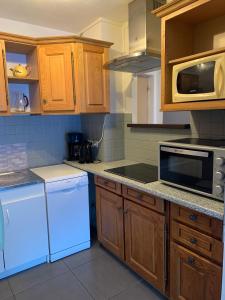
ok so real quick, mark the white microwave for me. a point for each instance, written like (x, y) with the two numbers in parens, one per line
(200, 79)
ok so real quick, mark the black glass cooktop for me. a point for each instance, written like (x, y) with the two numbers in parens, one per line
(143, 173)
(201, 142)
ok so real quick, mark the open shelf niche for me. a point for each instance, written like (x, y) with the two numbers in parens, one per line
(23, 54)
(193, 31)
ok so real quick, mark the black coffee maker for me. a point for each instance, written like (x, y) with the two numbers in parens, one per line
(74, 140)
(86, 155)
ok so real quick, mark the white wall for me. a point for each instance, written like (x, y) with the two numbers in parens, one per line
(21, 28)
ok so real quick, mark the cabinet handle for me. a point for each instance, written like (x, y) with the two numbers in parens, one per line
(73, 78)
(45, 101)
(191, 260)
(125, 211)
(5, 75)
(193, 217)
(139, 197)
(193, 241)
(7, 215)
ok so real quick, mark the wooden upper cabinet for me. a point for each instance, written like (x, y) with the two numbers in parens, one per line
(56, 77)
(91, 79)
(3, 80)
(193, 277)
(109, 207)
(145, 243)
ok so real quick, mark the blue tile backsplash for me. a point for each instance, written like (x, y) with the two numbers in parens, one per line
(43, 136)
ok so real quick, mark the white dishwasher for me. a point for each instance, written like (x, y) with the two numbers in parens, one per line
(67, 209)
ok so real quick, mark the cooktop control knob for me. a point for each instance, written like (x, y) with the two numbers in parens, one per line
(219, 175)
(219, 189)
(220, 161)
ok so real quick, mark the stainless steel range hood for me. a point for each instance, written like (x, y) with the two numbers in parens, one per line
(144, 39)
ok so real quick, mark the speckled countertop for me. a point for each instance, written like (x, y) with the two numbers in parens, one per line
(194, 201)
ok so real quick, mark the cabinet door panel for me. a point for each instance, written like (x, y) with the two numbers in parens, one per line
(56, 75)
(92, 80)
(144, 240)
(3, 82)
(193, 277)
(110, 221)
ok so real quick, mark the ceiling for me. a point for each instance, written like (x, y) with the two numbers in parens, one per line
(67, 15)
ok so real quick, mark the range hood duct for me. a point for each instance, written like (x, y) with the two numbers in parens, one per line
(144, 39)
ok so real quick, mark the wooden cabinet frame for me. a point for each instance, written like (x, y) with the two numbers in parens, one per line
(187, 244)
(83, 90)
(185, 36)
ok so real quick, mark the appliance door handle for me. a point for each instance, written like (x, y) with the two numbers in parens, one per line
(184, 151)
(219, 80)
(2, 237)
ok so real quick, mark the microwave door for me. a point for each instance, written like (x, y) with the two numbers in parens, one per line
(187, 168)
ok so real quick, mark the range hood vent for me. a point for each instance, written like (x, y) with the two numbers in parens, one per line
(144, 39)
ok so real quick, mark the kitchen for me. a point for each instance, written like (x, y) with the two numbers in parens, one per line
(72, 127)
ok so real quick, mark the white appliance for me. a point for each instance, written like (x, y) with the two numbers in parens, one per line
(200, 79)
(23, 232)
(67, 209)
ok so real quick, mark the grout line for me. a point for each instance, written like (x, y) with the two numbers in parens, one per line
(81, 283)
(36, 284)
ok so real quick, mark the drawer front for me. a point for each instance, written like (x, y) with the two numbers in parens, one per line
(197, 220)
(108, 184)
(144, 199)
(193, 277)
(199, 242)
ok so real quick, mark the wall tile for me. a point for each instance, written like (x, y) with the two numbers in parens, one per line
(43, 136)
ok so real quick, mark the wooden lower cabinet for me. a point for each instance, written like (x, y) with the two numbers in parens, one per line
(145, 243)
(109, 208)
(193, 277)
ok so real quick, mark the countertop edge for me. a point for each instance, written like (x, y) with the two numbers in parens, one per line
(173, 199)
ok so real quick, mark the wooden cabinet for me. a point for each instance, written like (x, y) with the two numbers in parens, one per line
(109, 209)
(3, 80)
(56, 77)
(193, 277)
(92, 80)
(145, 243)
(184, 262)
(189, 30)
(131, 231)
(195, 256)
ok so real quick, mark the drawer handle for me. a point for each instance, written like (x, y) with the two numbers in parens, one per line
(191, 260)
(139, 197)
(125, 211)
(193, 241)
(193, 217)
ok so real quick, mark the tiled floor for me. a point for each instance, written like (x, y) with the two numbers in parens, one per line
(91, 274)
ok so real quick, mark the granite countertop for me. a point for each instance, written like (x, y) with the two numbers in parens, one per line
(197, 202)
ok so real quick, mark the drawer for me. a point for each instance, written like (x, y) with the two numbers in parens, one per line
(144, 199)
(108, 184)
(197, 220)
(199, 242)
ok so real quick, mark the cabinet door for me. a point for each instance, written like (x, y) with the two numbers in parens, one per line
(92, 80)
(56, 77)
(109, 209)
(193, 277)
(3, 80)
(144, 243)
(25, 226)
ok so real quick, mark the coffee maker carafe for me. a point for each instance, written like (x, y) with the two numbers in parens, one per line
(74, 140)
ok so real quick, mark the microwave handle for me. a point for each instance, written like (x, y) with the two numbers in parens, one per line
(219, 78)
(184, 151)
